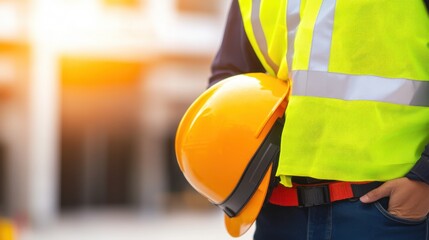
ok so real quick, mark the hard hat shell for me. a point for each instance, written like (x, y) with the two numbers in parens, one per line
(219, 142)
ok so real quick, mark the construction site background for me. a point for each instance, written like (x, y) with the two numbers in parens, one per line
(91, 92)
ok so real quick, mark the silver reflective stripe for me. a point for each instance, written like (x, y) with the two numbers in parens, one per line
(292, 21)
(322, 37)
(260, 36)
(318, 82)
(359, 87)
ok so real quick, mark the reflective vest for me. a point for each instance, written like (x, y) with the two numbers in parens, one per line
(359, 108)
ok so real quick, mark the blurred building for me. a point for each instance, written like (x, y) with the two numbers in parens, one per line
(91, 92)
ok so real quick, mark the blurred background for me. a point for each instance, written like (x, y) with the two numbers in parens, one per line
(91, 92)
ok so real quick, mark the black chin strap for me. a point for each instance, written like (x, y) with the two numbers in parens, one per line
(267, 154)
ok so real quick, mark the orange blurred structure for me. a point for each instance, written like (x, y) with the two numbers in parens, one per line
(125, 3)
(7, 230)
(90, 94)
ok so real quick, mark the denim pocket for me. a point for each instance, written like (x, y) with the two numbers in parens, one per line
(382, 206)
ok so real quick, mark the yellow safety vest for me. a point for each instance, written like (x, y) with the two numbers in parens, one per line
(359, 108)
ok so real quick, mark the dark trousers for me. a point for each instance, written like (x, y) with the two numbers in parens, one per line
(345, 220)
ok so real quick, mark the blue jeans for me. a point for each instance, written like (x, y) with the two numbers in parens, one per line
(345, 220)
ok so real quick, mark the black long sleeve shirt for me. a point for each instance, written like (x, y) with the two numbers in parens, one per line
(236, 56)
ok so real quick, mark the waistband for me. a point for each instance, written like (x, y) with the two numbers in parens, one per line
(309, 180)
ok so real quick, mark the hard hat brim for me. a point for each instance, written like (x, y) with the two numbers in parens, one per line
(240, 224)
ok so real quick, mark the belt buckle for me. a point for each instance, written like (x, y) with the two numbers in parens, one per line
(309, 196)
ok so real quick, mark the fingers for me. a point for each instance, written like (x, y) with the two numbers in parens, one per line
(376, 194)
(408, 199)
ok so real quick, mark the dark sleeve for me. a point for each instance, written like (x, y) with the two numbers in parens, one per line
(235, 55)
(420, 171)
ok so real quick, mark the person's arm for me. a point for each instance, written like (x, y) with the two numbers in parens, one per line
(235, 55)
(420, 171)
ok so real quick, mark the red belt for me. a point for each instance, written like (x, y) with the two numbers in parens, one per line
(318, 194)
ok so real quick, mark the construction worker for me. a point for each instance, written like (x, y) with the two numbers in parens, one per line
(358, 114)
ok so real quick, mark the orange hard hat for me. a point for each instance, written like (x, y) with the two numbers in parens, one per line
(228, 142)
